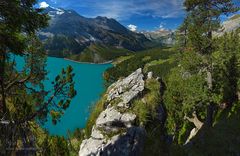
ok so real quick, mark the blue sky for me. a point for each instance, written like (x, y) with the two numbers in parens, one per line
(140, 14)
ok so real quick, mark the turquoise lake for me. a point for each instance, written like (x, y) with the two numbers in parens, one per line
(89, 85)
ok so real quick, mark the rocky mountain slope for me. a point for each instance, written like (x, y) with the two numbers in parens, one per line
(229, 25)
(232, 24)
(118, 130)
(162, 36)
(70, 33)
(167, 37)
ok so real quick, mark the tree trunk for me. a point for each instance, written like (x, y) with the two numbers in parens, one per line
(3, 107)
(198, 125)
(210, 108)
(2, 76)
(185, 38)
(194, 119)
(210, 113)
(209, 80)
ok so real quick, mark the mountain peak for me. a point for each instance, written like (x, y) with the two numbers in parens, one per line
(102, 17)
(72, 32)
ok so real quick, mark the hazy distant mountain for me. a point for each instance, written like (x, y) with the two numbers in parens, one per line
(229, 25)
(70, 33)
(161, 36)
(167, 37)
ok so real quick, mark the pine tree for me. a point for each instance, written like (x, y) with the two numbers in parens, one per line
(24, 102)
(203, 18)
(13, 30)
(201, 82)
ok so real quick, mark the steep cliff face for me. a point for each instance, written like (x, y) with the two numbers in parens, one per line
(116, 131)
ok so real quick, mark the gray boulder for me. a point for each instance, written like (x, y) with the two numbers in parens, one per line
(127, 144)
(132, 82)
(150, 75)
(91, 147)
(127, 89)
(114, 133)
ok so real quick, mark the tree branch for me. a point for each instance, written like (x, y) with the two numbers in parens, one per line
(14, 82)
(44, 106)
(198, 124)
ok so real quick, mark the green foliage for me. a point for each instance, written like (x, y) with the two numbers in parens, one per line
(186, 86)
(98, 53)
(162, 69)
(205, 81)
(12, 29)
(146, 108)
(192, 86)
(185, 93)
(184, 133)
(23, 98)
(227, 64)
(139, 107)
(221, 139)
(95, 112)
(55, 146)
(153, 96)
(202, 19)
(63, 91)
(62, 46)
(14, 39)
(139, 60)
(27, 100)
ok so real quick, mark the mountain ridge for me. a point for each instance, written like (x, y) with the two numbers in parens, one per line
(162, 36)
(70, 33)
(232, 24)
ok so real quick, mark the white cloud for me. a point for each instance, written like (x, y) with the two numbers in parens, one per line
(125, 9)
(43, 5)
(132, 27)
(162, 26)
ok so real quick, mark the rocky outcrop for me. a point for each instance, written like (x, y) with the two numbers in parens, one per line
(115, 132)
(127, 89)
(150, 75)
(229, 25)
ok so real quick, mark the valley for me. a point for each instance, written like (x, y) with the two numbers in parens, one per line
(119, 78)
